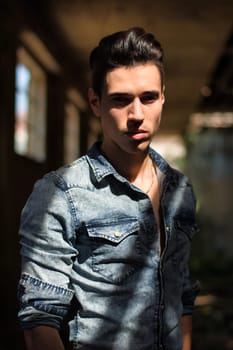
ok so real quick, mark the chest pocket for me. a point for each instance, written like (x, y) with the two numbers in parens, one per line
(182, 237)
(115, 248)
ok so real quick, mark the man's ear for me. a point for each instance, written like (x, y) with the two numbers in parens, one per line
(94, 101)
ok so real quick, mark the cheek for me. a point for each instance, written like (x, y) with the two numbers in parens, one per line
(109, 121)
(116, 118)
(157, 122)
(156, 118)
(156, 114)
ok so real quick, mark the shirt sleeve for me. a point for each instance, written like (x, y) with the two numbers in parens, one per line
(47, 253)
(190, 292)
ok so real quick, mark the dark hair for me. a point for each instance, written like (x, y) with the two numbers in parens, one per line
(124, 48)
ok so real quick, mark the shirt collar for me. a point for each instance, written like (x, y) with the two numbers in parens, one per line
(102, 167)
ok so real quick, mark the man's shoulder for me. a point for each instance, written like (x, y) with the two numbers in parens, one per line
(73, 174)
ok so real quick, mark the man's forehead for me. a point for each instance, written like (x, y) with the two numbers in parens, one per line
(145, 77)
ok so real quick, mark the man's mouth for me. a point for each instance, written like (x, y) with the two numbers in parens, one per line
(138, 134)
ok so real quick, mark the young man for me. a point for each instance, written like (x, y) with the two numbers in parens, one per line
(113, 229)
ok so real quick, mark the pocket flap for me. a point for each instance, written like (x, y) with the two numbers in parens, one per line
(188, 228)
(114, 229)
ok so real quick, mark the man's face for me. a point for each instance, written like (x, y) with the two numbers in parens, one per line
(130, 108)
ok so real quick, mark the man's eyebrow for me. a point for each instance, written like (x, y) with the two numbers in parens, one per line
(116, 94)
(152, 92)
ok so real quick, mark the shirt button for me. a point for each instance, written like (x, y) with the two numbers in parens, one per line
(117, 234)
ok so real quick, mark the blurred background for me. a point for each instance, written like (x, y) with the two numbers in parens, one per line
(45, 122)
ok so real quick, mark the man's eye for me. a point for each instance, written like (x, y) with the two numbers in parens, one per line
(150, 98)
(121, 100)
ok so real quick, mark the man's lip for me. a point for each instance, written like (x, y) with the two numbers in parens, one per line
(136, 134)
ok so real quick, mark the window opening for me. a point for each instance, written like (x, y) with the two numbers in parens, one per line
(30, 108)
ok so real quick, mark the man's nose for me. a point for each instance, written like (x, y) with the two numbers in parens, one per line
(136, 110)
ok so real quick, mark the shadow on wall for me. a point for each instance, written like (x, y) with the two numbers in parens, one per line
(211, 169)
(210, 166)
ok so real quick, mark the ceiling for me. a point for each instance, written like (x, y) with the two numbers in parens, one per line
(193, 34)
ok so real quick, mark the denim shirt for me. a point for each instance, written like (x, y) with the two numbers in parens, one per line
(89, 234)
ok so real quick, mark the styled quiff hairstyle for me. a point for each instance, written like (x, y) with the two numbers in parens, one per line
(125, 48)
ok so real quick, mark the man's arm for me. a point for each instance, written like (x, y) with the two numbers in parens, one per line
(43, 337)
(186, 330)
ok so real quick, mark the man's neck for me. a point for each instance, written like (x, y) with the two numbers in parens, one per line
(133, 166)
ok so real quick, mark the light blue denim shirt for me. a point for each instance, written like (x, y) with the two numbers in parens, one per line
(87, 233)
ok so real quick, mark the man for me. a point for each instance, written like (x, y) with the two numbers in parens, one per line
(113, 229)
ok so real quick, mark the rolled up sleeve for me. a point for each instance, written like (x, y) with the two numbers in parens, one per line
(190, 292)
(42, 303)
(47, 253)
